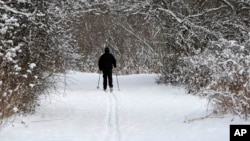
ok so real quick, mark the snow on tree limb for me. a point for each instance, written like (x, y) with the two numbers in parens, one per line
(188, 22)
(202, 28)
(7, 8)
(206, 11)
(229, 4)
(140, 39)
(172, 14)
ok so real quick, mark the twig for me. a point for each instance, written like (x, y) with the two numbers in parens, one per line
(200, 118)
(46, 120)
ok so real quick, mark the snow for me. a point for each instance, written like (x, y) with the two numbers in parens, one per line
(15, 109)
(17, 68)
(21, 1)
(32, 65)
(3, 30)
(141, 111)
(32, 85)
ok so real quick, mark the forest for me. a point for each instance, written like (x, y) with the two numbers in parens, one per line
(203, 45)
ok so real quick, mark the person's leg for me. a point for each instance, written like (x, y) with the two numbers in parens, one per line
(105, 75)
(110, 79)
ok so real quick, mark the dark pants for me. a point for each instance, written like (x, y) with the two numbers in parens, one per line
(107, 74)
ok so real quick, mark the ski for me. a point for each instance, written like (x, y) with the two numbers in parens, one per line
(110, 90)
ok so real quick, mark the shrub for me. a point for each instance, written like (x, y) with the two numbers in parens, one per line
(221, 73)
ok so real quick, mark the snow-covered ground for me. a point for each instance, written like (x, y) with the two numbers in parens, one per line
(141, 111)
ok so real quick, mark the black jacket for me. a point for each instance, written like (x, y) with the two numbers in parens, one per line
(106, 61)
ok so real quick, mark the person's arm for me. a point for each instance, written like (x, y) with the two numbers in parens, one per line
(100, 63)
(114, 62)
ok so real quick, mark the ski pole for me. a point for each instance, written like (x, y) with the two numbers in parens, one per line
(117, 82)
(98, 81)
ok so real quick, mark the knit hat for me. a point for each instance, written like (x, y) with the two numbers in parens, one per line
(106, 49)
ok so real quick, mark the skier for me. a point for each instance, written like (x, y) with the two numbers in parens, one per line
(106, 63)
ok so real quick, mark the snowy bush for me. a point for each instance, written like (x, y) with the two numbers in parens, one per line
(220, 73)
(27, 58)
(208, 45)
(228, 87)
(14, 73)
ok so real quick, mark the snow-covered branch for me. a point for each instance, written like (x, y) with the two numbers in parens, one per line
(7, 8)
(179, 20)
(205, 12)
(229, 4)
(189, 23)
(138, 37)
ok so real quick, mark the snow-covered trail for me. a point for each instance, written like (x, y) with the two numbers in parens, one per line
(141, 111)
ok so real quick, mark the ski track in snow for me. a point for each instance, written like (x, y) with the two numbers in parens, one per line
(112, 131)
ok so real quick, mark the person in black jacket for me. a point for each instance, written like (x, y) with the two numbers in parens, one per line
(106, 63)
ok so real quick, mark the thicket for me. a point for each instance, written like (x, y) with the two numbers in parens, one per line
(220, 73)
(210, 52)
(131, 40)
(28, 55)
